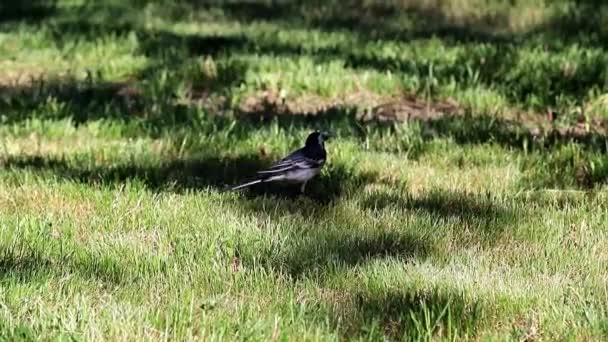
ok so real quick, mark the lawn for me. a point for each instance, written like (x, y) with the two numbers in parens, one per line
(464, 197)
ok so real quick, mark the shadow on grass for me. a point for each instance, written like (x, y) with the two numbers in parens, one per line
(29, 267)
(374, 20)
(218, 173)
(318, 253)
(511, 134)
(22, 269)
(156, 106)
(370, 20)
(470, 211)
(547, 150)
(319, 238)
(335, 238)
(175, 175)
(30, 10)
(498, 64)
(311, 251)
(555, 155)
(493, 65)
(582, 23)
(88, 100)
(169, 52)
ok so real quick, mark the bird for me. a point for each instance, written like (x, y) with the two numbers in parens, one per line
(299, 167)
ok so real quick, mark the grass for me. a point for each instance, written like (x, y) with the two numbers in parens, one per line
(450, 208)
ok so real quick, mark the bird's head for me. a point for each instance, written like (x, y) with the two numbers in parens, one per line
(317, 138)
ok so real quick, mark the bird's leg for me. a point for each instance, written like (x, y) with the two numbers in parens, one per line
(302, 187)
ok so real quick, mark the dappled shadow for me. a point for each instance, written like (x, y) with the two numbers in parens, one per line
(324, 245)
(156, 107)
(497, 63)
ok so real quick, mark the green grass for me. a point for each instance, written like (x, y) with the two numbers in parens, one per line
(122, 124)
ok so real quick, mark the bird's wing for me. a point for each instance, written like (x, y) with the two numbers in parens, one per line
(294, 161)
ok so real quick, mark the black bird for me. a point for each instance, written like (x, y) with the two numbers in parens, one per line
(298, 167)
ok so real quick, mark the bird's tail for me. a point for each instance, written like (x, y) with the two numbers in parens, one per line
(244, 185)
